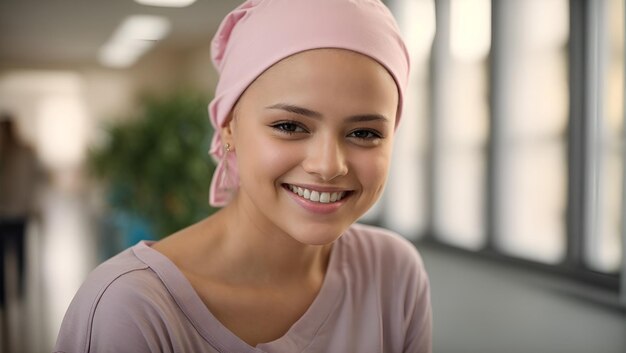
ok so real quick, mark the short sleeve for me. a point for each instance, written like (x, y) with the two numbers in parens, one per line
(125, 316)
(125, 322)
(394, 265)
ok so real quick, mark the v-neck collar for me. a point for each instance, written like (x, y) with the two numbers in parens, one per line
(297, 338)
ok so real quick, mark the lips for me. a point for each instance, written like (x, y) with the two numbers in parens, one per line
(317, 195)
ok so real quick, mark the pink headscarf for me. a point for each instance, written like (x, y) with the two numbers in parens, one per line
(259, 33)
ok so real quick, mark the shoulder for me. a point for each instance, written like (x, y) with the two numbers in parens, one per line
(112, 294)
(379, 244)
(393, 266)
(385, 258)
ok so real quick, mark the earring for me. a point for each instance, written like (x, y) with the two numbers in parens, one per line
(225, 182)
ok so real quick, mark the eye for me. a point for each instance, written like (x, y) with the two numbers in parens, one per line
(288, 127)
(365, 134)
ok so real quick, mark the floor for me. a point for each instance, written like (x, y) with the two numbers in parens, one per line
(482, 306)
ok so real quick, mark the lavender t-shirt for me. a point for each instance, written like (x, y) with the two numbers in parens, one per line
(375, 298)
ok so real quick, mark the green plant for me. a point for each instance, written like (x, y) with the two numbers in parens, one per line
(155, 165)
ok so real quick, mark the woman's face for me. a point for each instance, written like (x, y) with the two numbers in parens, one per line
(313, 138)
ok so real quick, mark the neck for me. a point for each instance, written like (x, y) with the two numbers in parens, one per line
(263, 253)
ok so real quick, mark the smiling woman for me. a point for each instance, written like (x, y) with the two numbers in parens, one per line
(305, 117)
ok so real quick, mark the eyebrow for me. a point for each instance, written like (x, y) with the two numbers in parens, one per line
(317, 115)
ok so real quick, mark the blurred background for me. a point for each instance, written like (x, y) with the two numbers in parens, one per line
(508, 172)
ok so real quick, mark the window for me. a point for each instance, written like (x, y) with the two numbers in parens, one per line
(530, 111)
(517, 121)
(460, 122)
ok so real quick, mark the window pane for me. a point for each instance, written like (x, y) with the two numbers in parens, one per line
(531, 121)
(603, 251)
(461, 122)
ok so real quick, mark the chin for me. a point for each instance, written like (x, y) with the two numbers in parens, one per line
(319, 236)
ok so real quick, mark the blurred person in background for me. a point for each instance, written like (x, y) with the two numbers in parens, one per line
(309, 97)
(18, 181)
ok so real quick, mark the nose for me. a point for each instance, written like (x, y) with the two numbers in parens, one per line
(326, 159)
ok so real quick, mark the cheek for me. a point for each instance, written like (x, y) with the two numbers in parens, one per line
(264, 158)
(372, 169)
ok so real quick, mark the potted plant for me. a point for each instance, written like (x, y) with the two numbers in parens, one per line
(155, 167)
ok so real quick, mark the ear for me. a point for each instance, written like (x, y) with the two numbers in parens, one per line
(228, 130)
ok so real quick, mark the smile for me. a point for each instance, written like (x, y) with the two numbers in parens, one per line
(316, 196)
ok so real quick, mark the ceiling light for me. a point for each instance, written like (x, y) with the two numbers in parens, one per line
(166, 3)
(142, 27)
(122, 55)
(135, 36)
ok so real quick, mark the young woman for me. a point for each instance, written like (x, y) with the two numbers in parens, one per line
(309, 97)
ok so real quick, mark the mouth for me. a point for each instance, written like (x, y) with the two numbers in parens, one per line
(319, 196)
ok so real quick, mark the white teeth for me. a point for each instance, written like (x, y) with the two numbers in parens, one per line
(317, 196)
